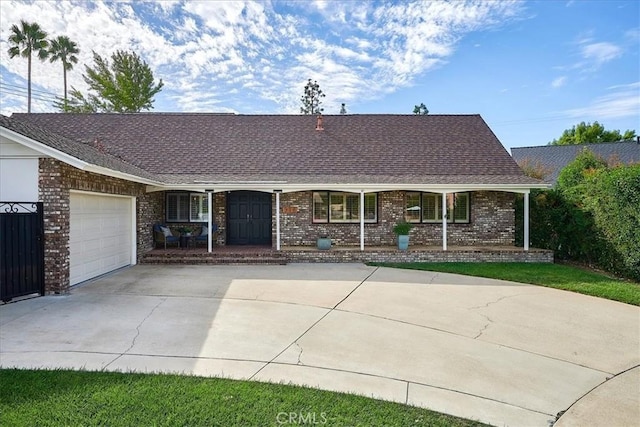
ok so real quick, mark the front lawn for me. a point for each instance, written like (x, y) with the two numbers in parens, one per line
(71, 398)
(544, 274)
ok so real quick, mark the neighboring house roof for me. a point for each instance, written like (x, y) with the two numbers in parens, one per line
(552, 158)
(199, 149)
(87, 153)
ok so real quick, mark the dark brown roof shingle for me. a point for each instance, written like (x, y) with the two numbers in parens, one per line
(406, 148)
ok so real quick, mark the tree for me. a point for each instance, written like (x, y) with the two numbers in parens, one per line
(587, 133)
(311, 99)
(25, 40)
(126, 85)
(420, 110)
(573, 177)
(64, 50)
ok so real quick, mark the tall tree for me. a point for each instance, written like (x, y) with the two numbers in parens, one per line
(587, 133)
(420, 110)
(25, 40)
(126, 85)
(312, 98)
(64, 50)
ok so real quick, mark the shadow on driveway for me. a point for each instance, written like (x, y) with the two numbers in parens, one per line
(501, 352)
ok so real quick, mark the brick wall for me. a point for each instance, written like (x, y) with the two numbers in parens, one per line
(150, 210)
(56, 180)
(394, 255)
(492, 222)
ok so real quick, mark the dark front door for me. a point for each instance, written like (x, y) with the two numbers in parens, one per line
(248, 218)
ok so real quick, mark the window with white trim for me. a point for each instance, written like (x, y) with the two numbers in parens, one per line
(427, 207)
(186, 207)
(343, 207)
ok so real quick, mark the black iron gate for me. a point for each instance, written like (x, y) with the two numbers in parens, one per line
(21, 249)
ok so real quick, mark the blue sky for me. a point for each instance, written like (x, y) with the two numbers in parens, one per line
(531, 69)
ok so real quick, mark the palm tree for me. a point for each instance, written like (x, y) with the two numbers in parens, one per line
(26, 39)
(63, 49)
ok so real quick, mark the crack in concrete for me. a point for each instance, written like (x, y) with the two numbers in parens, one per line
(494, 302)
(133, 341)
(433, 279)
(299, 354)
(485, 327)
(329, 310)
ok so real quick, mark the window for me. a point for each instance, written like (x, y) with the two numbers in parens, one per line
(185, 207)
(427, 207)
(343, 207)
(412, 213)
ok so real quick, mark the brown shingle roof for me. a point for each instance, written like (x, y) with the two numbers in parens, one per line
(184, 147)
(86, 152)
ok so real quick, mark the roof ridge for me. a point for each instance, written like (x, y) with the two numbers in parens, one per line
(622, 141)
(195, 113)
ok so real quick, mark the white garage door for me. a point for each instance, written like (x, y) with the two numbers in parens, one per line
(101, 235)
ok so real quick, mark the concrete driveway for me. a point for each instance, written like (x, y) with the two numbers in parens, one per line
(501, 352)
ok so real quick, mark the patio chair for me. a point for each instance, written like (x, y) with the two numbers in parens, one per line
(163, 234)
(203, 237)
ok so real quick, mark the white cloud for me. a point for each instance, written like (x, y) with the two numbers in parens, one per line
(622, 101)
(601, 52)
(559, 82)
(257, 51)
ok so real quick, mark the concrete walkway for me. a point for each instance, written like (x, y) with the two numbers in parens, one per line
(500, 352)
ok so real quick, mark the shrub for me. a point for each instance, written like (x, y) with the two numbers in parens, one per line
(593, 216)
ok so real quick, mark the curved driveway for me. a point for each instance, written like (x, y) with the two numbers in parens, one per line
(501, 352)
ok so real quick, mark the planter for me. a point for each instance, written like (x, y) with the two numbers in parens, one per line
(403, 242)
(324, 243)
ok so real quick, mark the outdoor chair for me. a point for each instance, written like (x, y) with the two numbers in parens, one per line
(203, 237)
(163, 234)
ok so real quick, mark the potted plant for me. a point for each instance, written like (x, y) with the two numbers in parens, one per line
(324, 242)
(185, 230)
(402, 229)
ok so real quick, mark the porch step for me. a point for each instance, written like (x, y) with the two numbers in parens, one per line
(213, 258)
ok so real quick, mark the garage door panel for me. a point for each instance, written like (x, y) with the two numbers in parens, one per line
(100, 235)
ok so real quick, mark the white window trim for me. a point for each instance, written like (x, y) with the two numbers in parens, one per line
(330, 220)
(438, 209)
(203, 216)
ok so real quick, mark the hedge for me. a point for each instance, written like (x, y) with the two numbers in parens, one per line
(592, 216)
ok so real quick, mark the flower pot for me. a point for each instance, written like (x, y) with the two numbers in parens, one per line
(403, 242)
(324, 243)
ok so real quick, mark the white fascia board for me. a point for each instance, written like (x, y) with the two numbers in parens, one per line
(270, 187)
(42, 148)
(47, 151)
(117, 174)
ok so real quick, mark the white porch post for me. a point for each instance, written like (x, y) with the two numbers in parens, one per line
(526, 221)
(444, 221)
(362, 220)
(210, 220)
(278, 219)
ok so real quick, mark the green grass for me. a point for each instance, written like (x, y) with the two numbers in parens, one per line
(545, 274)
(72, 398)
